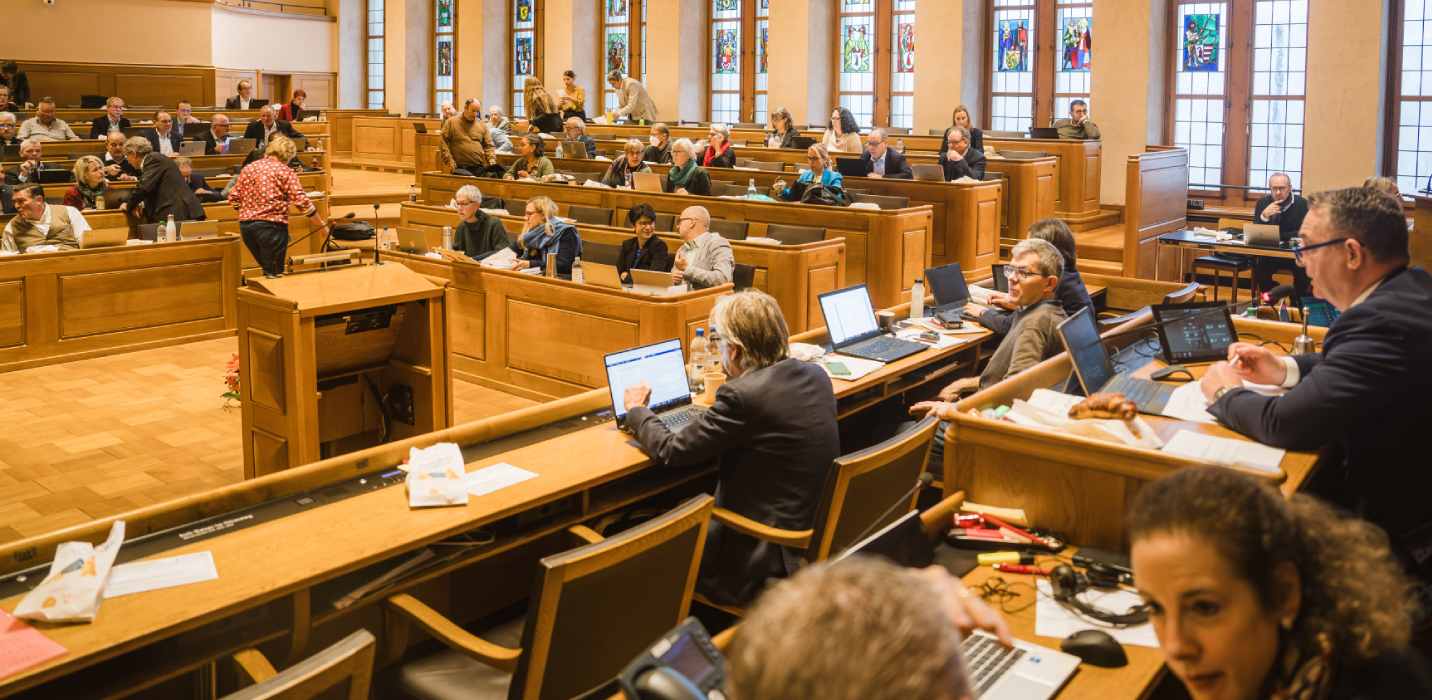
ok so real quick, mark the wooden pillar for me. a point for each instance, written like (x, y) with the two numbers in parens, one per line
(1126, 89)
(949, 49)
(801, 59)
(676, 58)
(1343, 114)
(395, 70)
(570, 30)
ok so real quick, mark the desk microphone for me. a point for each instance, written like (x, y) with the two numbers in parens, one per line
(1276, 294)
(926, 478)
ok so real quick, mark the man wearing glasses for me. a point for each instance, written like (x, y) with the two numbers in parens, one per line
(478, 235)
(705, 259)
(1369, 392)
(1286, 210)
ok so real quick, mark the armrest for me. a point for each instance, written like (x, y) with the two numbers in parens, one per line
(449, 633)
(722, 640)
(586, 534)
(761, 531)
(254, 665)
(940, 518)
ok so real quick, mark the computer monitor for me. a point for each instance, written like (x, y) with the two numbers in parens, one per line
(849, 316)
(852, 167)
(1195, 332)
(947, 282)
(661, 365)
(1086, 351)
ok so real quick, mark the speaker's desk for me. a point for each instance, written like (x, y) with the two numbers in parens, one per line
(1077, 486)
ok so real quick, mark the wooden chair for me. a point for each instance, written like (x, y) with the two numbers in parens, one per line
(928, 171)
(743, 276)
(1217, 264)
(768, 166)
(856, 500)
(795, 235)
(350, 659)
(883, 201)
(516, 207)
(593, 609)
(604, 253)
(1180, 296)
(1225, 223)
(665, 222)
(731, 230)
(593, 216)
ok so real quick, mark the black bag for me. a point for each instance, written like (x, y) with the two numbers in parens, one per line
(821, 194)
(356, 231)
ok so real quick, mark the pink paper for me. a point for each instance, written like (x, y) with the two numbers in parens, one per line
(23, 646)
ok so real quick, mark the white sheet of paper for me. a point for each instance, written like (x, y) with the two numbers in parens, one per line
(481, 482)
(502, 259)
(1187, 403)
(1054, 620)
(980, 295)
(140, 576)
(946, 339)
(858, 366)
(1225, 451)
(1055, 402)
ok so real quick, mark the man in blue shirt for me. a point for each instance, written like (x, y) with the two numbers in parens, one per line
(883, 160)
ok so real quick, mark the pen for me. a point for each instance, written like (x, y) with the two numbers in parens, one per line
(1022, 569)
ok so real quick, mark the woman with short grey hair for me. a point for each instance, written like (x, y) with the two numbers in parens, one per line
(685, 175)
(478, 235)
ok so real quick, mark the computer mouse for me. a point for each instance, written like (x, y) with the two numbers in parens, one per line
(1169, 372)
(1095, 647)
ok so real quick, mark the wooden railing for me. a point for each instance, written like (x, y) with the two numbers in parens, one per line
(311, 8)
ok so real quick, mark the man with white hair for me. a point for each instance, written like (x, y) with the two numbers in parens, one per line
(705, 259)
(268, 123)
(113, 119)
(7, 129)
(478, 235)
(216, 139)
(28, 171)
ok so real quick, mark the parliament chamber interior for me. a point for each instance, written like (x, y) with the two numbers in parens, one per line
(668, 349)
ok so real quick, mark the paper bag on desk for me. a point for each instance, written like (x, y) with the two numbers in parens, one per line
(436, 476)
(1049, 410)
(71, 591)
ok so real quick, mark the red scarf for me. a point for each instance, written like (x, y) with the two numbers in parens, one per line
(710, 154)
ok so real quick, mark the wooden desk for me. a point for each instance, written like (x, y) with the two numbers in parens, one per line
(1176, 252)
(341, 127)
(1420, 235)
(795, 275)
(1078, 486)
(64, 306)
(885, 249)
(1033, 189)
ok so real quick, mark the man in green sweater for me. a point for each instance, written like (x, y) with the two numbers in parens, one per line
(479, 235)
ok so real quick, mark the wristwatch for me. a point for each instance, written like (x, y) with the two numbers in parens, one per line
(1218, 394)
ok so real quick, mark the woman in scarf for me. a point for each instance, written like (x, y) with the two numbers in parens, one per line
(89, 186)
(685, 176)
(619, 174)
(545, 234)
(718, 153)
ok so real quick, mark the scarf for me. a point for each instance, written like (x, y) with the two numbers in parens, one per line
(1303, 674)
(89, 194)
(678, 176)
(711, 153)
(535, 236)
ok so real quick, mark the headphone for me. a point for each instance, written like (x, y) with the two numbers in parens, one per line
(1068, 584)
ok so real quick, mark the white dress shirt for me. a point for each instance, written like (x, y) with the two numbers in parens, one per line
(1295, 375)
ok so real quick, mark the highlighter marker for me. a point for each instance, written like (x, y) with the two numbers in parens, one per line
(992, 558)
(1022, 569)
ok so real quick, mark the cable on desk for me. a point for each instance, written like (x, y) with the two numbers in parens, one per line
(1265, 341)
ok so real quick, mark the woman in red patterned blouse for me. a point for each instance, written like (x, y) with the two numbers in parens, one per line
(263, 194)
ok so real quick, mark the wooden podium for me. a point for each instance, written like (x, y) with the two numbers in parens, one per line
(336, 361)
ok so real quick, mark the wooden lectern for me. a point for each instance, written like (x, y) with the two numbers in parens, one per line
(336, 361)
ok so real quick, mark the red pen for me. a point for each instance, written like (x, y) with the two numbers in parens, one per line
(1022, 569)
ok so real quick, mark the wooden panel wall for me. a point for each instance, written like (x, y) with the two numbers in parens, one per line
(137, 84)
(1156, 192)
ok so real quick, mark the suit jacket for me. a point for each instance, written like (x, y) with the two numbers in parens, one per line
(153, 136)
(652, 256)
(972, 165)
(211, 145)
(977, 139)
(1071, 294)
(255, 130)
(124, 167)
(19, 87)
(709, 261)
(100, 126)
(774, 434)
(233, 102)
(163, 191)
(1289, 221)
(1367, 392)
(895, 163)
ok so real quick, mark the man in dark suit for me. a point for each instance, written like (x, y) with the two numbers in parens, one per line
(113, 119)
(267, 125)
(116, 166)
(164, 138)
(242, 100)
(883, 161)
(1286, 210)
(216, 137)
(960, 159)
(161, 189)
(772, 428)
(5, 104)
(1367, 393)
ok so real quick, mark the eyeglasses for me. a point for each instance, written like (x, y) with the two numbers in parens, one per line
(463, 203)
(685, 219)
(1012, 273)
(1299, 248)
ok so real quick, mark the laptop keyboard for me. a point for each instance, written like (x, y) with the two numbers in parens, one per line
(881, 346)
(987, 660)
(1141, 392)
(678, 418)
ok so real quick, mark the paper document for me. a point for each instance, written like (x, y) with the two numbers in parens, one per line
(481, 482)
(23, 646)
(78, 574)
(141, 576)
(1051, 619)
(980, 295)
(846, 367)
(945, 339)
(502, 259)
(1187, 403)
(1054, 402)
(1225, 451)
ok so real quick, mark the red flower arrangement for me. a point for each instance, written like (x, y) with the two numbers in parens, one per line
(231, 381)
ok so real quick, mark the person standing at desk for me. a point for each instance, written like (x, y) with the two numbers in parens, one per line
(705, 259)
(1078, 125)
(467, 141)
(1369, 392)
(633, 102)
(772, 431)
(161, 190)
(1286, 210)
(883, 161)
(263, 194)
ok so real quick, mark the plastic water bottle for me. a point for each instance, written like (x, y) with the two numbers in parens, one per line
(447, 237)
(170, 233)
(917, 299)
(99, 201)
(699, 359)
(751, 189)
(577, 275)
(559, 151)
(412, 193)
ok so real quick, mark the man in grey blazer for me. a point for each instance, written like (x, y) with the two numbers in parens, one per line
(772, 430)
(705, 260)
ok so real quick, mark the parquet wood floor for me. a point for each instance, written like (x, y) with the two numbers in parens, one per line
(98, 437)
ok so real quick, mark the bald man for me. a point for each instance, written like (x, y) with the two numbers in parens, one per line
(116, 166)
(216, 137)
(705, 259)
(267, 124)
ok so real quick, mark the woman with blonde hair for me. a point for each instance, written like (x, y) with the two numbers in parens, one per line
(542, 112)
(544, 234)
(263, 193)
(961, 117)
(90, 185)
(820, 174)
(619, 174)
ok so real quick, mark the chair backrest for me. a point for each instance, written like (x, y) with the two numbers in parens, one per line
(720, 188)
(794, 235)
(350, 659)
(774, 167)
(742, 276)
(1226, 223)
(928, 171)
(744, 163)
(516, 207)
(899, 130)
(665, 222)
(865, 484)
(730, 230)
(1182, 296)
(595, 216)
(597, 606)
(936, 132)
(602, 253)
(884, 201)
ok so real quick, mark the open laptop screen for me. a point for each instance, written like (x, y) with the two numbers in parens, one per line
(948, 284)
(1086, 351)
(660, 364)
(848, 314)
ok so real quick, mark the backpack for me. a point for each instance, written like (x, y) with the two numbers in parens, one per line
(357, 231)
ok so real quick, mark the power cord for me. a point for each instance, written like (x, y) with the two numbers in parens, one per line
(1262, 342)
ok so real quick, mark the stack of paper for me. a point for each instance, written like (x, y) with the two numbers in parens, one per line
(848, 368)
(1225, 451)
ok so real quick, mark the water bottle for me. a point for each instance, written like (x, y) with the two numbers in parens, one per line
(577, 270)
(99, 201)
(559, 151)
(697, 369)
(917, 299)
(170, 233)
(751, 189)
(412, 193)
(550, 270)
(447, 237)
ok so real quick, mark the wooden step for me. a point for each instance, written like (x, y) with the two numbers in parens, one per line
(1105, 217)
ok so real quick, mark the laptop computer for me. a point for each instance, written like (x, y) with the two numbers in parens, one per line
(191, 148)
(850, 323)
(242, 147)
(947, 282)
(50, 176)
(1095, 372)
(1043, 132)
(646, 182)
(255, 104)
(1194, 332)
(1261, 234)
(650, 280)
(663, 367)
(599, 275)
(574, 149)
(852, 167)
(420, 127)
(412, 241)
(102, 237)
(803, 142)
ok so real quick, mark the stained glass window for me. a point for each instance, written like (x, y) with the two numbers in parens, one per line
(856, 65)
(1200, 85)
(1412, 100)
(1075, 23)
(524, 51)
(763, 32)
(444, 52)
(376, 55)
(1012, 79)
(623, 45)
(902, 64)
(726, 61)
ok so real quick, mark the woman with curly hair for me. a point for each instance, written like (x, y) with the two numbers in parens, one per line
(1256, 596)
